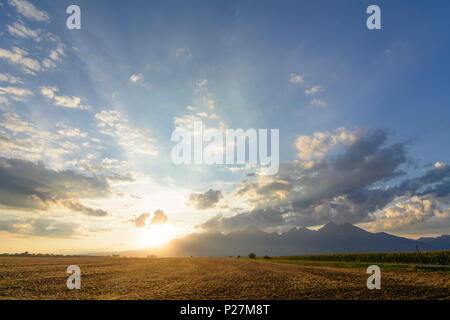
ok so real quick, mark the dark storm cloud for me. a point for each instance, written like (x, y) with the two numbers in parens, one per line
(207, 200)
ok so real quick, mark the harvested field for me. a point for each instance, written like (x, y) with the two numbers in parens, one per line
(207, 278)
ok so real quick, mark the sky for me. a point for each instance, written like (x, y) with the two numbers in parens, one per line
(86, 118)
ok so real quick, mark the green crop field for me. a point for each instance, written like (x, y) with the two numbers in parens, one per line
(425, 258)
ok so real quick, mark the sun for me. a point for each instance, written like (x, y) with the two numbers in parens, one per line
(156, 235)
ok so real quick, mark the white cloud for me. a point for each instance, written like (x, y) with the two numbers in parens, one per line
(68, 131)
(415, 210)
(6, 77)
(133, 139)
(440, 164)
(139, 78)
(18, 29)
(15, 93)
(318, 102)
(19, 56)
(73, 102)
(13, 123)
(136, 77)
(317, 146)
(28, 10)
(21, 139)
(296, 78)
(313, 90)
(56, 54)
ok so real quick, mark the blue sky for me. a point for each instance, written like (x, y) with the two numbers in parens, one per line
(103, 101)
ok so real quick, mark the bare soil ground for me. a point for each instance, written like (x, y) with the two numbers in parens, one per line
(207, 278)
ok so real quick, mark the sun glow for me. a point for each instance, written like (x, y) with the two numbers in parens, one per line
(156, 235)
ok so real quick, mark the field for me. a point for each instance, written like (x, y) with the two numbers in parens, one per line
(426, 258)
(207, 278)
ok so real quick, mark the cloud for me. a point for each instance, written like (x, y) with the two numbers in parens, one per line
(6, 77)
(31, 186)
(135, 140)
(40, 227)
(317, 146)
(73, 102)
(15, 93)
(440, 164)
(22, 139)
(415, 210)
(159, 218)
(296, 78)
(136, 77)
(259, 218)
(68, 131)
(206, 200)
(313, 90)
(28, 10)
(348, 185)
(139, 78)
(141, 220)
(19, 56)
(318, 102)
(54, 56)
(78, 207)
(18, 29)
(183, 54)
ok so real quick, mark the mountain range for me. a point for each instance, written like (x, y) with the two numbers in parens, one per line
(331, 238)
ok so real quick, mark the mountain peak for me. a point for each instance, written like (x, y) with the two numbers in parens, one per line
(345, 228)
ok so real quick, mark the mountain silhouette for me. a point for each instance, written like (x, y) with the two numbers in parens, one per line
(331, 238)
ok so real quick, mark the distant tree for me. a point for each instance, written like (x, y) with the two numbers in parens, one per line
(267, 257)
(238, 257)
(251, 255)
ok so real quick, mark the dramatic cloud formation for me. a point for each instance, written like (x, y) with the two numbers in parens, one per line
(344, 187)
(207, 200)
(29, 185)
(159, 217)
(410, 212)
(320, 143)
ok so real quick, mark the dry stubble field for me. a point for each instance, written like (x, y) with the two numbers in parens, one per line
(207, 278)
